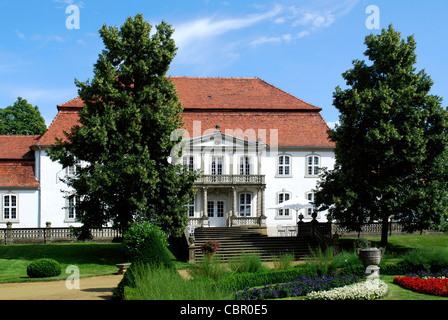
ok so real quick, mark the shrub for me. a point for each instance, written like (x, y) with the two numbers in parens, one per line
(321, 261)
(428, 259)
(135, 236)
(247, 263)
(208, 267)
(152, 253)
(239, 281)
(164, 284)
(42, 268)
(283, 261)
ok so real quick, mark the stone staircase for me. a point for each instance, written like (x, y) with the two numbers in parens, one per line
(239, 240)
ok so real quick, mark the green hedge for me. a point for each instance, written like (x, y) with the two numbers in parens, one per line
(42, 268)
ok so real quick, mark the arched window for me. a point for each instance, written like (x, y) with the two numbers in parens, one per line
(313, 165)
(284, 165)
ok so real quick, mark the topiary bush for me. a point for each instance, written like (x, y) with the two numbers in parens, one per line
(42, 268)
(150, 251)
(137, 233)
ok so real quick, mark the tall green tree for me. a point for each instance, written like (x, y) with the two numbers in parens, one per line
(121, 149)
(21, 119)
(391, 143)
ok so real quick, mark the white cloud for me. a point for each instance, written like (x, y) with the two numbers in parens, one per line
(209, 27)
(213, 37)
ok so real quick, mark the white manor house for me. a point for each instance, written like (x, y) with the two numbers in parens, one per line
(255, 144)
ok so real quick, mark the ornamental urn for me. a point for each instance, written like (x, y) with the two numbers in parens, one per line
(370, 256)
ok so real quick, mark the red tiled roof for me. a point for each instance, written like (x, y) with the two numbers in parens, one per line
(286, 129)
(17, 147)
(227, 93)
(231, 103)
(17, 174)
(63, 122)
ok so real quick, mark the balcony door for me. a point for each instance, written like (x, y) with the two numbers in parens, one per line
(216, 213)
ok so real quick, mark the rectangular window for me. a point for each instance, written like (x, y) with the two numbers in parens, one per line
(210, 209)
(310, 197)
(245, 165)
(189, 162)
(72, 202)
(282, 197)
(190, 208)
(313, 165)
(10, 207)
(284, 165)
(245, 204)
(217, 165)
(220, 209)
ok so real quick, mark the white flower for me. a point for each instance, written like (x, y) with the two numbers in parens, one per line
(368, 290)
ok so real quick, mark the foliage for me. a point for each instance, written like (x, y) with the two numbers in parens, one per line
(239, 281)
(432, 259)
(367, 290)
(362, 243)
(128, 129)
(391, 155)
(210, 268)
(247, 263)
(44, 267)
(284, 260)
(21, 119)
(321, 261)
(151, 253)
(295, 288)
(163, 284)
(210, 247)
(138, 233)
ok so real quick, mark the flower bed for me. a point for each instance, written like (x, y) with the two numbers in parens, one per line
(368, 290)
(429, 285)
(297, 287)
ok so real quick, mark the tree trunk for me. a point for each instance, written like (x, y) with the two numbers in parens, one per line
(384, 231)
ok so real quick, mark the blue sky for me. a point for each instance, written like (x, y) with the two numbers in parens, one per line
(300, 46)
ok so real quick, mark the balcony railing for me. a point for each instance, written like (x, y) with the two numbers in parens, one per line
(231, 179)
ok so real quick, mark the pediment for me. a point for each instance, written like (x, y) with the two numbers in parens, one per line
(219, 139)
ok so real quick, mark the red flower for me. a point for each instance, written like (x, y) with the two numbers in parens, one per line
(210, 247)
(433, 286)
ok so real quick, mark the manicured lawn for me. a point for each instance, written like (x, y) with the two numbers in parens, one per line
(92, 259)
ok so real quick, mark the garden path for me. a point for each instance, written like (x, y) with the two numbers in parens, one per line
(90, 288)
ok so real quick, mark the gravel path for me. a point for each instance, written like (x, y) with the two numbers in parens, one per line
(90, 288)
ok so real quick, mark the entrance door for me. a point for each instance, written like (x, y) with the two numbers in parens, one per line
(215, 212)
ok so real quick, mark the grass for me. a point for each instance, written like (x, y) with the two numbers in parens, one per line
(92, 259)
(95, 259)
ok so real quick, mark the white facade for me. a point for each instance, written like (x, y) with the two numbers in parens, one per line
(242, 181)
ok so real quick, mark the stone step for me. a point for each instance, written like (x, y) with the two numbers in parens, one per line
(236, 241)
